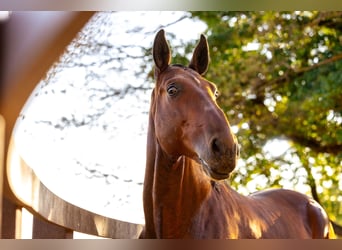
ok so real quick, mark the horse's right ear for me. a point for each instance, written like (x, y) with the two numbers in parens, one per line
(161, 53)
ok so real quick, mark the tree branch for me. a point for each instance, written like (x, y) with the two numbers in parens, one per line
(319, 64)
(316, 146)
(293, 73)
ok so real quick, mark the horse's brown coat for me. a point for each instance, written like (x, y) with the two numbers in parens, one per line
(190, 148)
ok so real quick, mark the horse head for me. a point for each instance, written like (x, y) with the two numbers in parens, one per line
(187, 119)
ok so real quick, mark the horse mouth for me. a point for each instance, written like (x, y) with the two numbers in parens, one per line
(213, 173)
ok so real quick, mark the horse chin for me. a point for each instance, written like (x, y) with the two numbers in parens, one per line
(219, 176)
(213, 173)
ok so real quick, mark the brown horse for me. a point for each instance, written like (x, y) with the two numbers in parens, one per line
(190, 149)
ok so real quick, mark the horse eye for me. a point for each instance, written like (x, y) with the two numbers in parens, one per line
(172, 90)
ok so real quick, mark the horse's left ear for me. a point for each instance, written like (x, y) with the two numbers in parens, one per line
(200, 58)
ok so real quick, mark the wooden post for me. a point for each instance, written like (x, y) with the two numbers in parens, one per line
(8, 224)
(45, 230)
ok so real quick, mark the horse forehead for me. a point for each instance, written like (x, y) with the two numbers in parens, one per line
(175, 73)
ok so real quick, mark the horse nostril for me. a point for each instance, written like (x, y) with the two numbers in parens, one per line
(216, 146)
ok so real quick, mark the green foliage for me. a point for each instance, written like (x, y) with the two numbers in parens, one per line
(280, 76)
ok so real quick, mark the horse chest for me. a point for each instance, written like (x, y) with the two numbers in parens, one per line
(215, 219)
(194, 218)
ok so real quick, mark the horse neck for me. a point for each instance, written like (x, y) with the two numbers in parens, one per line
(173, 191)
(176, 181)
(179, 191)
(149, 230)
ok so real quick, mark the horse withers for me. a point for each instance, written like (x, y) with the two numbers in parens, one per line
(190, 149)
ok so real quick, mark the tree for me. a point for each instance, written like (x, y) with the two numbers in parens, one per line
(280, 76)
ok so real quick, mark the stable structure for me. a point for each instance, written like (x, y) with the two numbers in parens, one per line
(30, 43)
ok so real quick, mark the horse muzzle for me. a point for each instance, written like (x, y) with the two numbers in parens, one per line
(220, 165)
